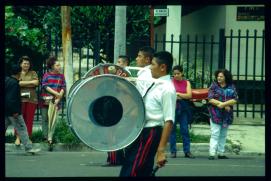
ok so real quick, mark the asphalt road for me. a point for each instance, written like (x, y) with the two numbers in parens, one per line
(88, 164)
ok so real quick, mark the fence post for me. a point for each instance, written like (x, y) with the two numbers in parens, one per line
(56, 45)
(97, 48)
(49, 43)
(221, 53)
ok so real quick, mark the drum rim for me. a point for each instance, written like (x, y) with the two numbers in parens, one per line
(69, 111)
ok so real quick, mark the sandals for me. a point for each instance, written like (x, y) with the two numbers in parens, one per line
(17, 142)
(50, 145)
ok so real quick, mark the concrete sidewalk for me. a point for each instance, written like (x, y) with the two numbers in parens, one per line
(246, 137)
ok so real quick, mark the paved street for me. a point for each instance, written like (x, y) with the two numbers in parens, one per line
(88, 164)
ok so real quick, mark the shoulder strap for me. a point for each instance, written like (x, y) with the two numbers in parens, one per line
(148, 89)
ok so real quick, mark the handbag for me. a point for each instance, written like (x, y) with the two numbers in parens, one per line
(25, 95)
(47, 99)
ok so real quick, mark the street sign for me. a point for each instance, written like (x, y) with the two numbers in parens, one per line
(161, 12)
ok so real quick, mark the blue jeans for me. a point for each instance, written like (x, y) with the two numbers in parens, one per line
(182, 119)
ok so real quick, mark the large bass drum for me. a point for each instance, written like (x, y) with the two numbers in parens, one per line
(104, 110)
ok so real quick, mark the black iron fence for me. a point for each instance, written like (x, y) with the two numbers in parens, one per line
(200, 56)
(245, 58)
(243, 55)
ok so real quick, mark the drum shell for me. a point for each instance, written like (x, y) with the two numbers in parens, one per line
(105, 138)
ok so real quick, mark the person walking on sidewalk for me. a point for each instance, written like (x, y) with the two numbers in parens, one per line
(222, 96)
(28, 81)
(53, 88)
(183, 112)
(13, 110)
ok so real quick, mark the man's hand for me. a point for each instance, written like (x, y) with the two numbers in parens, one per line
(161, 158)
(56, 101)
(228, 108)
(178, 95)
(60, 94)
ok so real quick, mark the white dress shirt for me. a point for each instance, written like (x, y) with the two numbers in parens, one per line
(160, 102)
(144, 80)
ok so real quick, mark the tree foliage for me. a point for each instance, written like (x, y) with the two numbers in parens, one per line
(19, 34)
(27, 27)
(138, 25)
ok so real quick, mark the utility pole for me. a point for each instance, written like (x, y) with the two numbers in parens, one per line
(120, 32)
(67, 46)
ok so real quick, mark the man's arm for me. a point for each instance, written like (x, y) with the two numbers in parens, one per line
(230, 102)
(214, 102)
(30, 83)
(161, 155)
(14, 98)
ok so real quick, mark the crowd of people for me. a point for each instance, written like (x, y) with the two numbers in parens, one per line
(166, 102)
(25, 81)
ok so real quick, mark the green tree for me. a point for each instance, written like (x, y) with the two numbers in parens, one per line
(27, 28)
(138, 25)
(18, 34)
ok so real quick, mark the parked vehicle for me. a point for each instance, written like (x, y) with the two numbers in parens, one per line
(199, 106)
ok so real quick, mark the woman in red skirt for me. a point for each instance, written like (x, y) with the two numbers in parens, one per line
(28, 81)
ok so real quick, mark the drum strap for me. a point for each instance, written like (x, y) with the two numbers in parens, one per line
(148, 89)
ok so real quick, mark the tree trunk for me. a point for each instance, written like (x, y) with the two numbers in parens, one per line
(67, 46)
(120, 32)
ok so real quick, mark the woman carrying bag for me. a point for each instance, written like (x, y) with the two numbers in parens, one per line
(28, 81)
(53, 89)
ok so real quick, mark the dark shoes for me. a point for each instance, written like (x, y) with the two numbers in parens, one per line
(173, 155)
(211, 157)
(222, 157)
(44, 140)
(50, 146)
(189, 155)
(186, 155)
(219, 157)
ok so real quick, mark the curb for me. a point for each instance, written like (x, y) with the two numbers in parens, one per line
(197, 148)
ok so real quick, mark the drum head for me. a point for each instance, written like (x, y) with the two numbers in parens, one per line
(106, 112)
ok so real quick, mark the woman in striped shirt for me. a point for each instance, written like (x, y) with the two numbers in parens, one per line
(53, 88)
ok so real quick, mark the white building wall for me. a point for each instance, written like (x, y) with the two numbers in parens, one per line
(232, 23)
(173, 28)
(206, 21)
(203, 22)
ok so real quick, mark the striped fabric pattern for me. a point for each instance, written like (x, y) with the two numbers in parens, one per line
(54, 81)
(140, 155)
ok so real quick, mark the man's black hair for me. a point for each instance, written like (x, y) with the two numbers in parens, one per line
(126, 58)
(166, 58)
(147, 51)
(12, 69)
